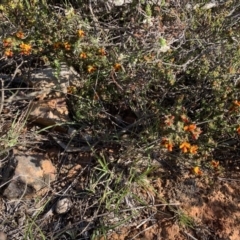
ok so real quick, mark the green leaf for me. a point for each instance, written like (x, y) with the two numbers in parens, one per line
(162, 42)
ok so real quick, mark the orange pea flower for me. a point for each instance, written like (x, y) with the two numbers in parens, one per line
(196, 133)
(196, 171)
(8, 52)
(102, 52)
(190, 127)
(184, 118)
(117, 66)
(20, 34)
(167, 144)
(185, 146)
(25, 48)
(238, 130)
(169, 120)
(91, 68)
(235, 106)
(83, 55)
(236, 103)
(215, 164)
(67, 46)
(7, 42)
(81, 33)
(71, 89)
(169, 147)
(193, 149)
(57, 45)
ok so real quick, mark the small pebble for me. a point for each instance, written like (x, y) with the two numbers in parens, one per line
(63, 206)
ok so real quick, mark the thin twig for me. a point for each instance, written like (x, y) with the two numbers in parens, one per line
(1, 95)
(115, 82)
(141, 232)
(15, 73)
(189, 235)
(156, 205)
(228, 179)
(145, 220)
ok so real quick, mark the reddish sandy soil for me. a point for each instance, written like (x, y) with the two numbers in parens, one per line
(213, 204)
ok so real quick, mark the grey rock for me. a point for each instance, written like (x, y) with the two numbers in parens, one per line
(3, 236)
(49, 78)
(63, 205)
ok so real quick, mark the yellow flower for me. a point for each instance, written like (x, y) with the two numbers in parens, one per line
(8, 52)
(185, 146)
(102, 51)
(196, 171)
(20, 34)
(67, 46)
(193, 149)
(83, 55)
(117, 66)
(81, 33)
(25, 48)
(91, 68)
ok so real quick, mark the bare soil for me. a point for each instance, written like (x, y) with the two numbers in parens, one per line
(213, 206)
